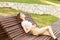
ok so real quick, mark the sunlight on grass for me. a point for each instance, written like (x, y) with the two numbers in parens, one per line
(55, 1)
(25, 1)
(49, 2)
(7, 11)
(44, 19)
(32, 1)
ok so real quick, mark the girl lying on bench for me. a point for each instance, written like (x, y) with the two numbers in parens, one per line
(28, 27)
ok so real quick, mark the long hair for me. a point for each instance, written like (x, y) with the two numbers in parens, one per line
(19, 19)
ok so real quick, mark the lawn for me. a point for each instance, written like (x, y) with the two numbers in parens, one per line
(55, 1)
(8, 11)
(24, 1)
(41, 20)
(44, 19)
(30, 1)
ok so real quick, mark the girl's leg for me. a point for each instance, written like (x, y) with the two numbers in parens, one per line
(46, 31)
(49, 32)
(39, 31)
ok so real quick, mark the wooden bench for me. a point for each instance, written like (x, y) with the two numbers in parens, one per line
(12, 27)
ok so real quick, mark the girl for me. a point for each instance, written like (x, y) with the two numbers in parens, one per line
(28, 27)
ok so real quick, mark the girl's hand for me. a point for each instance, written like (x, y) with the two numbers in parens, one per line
(28, 30)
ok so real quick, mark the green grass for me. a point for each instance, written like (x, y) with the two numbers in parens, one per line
(44, 19)
(30, 1)
(7, 11)
(55, 1)
(24, 1)
(41, 20)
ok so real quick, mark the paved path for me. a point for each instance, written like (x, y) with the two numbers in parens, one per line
(33, 8)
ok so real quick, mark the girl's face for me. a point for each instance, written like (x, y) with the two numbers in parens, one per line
(22, 16)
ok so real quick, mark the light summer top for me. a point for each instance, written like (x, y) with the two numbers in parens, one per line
(26, 24)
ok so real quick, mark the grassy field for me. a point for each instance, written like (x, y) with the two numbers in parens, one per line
(55, 1)
(24, 1)
(30, 1)
(44, 19)
(8, 11)
(41, 20)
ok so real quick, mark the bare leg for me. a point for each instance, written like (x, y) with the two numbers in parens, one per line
(46, 31)
(43, 31)
(49, 32)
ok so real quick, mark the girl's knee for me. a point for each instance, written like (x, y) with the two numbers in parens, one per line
(48, 27)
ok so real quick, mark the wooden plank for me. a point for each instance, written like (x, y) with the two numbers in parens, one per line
(9, 23)
(18, 36)
(6, 21)
(7, 18)
(11, 28)
(3, 36)
(6, 26)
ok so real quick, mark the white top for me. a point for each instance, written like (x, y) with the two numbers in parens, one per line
(26, 24)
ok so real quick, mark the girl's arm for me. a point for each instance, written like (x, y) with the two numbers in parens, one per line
(26, 29)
